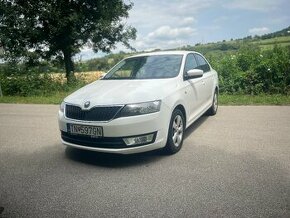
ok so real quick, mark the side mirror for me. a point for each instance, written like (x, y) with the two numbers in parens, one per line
(194, 73)
(102, 76)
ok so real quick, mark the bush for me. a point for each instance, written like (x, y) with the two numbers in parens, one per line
(253, 71)
(34, 84)
(249, 70)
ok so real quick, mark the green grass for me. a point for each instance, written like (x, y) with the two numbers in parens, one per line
(276, 40)
(267, 44)
(254, 100)
(53, 99)
(223, 99)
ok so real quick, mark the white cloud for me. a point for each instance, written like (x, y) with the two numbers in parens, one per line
(149, 45)
(150, 14)
(166, 24)
(189, 7)
(167, 32)
(188, 21)
(259, 30)
(165, 37)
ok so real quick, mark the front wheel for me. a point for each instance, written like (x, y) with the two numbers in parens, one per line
(175, 132)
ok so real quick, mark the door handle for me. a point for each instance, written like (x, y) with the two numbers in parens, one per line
(203, 82)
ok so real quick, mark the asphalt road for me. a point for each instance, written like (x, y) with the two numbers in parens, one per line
(235, 164)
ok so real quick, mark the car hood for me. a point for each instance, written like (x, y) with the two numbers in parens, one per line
(113, 92)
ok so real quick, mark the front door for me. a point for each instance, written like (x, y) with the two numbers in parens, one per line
(194, 89)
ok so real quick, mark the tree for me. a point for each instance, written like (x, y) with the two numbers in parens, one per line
(58, 29)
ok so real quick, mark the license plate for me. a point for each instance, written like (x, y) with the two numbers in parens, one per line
(93, 131)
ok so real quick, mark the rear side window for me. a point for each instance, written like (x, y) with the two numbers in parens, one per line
(202, 63)
(190, 63)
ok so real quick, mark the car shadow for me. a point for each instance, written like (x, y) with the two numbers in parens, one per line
(119, 160)
(195, 125)
(113, 160)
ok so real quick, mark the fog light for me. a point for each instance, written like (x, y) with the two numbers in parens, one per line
(139, 140)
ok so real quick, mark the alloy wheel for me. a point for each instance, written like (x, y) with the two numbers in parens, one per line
(177, 130)
(215, 102)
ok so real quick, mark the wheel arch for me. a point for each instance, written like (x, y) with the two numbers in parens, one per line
(217, 89)
(182, 109)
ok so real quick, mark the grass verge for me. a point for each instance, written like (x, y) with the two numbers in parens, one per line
(254, 100)
(223, 99)
(53, 99)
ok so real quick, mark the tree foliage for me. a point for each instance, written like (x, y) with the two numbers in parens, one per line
(57, 29)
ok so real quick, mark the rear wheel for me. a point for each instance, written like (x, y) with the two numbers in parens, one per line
(214, 107)
(175, 132)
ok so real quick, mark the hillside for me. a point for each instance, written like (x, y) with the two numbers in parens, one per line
(283, 32)
(265, 42)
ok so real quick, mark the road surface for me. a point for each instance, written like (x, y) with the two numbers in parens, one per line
(235, 164)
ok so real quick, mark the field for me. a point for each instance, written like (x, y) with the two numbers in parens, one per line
(270, 43)
(87, 77)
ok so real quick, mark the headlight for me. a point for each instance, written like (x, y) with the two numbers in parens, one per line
(61, 107)
(141, 108)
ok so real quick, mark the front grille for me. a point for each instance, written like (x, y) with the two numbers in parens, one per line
(94, 114)
(105, 142)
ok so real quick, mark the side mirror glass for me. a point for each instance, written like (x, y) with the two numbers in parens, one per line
(194, 73)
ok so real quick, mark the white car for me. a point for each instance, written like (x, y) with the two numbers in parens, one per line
(145, 102)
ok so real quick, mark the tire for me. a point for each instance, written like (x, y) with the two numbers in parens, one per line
(175, 132)
(214, 106)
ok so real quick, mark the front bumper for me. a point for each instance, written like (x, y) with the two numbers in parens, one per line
(115, 130)
(102, 142)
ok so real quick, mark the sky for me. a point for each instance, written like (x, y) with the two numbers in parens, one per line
(165, 24)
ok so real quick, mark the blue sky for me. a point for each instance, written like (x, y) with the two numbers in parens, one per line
(168, 24)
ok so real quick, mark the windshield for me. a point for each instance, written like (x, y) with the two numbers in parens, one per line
(146, 67)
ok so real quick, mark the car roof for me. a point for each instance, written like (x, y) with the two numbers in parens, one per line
(163, 53)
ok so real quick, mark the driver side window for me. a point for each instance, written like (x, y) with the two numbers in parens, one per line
(202, 64)
(190, 63)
